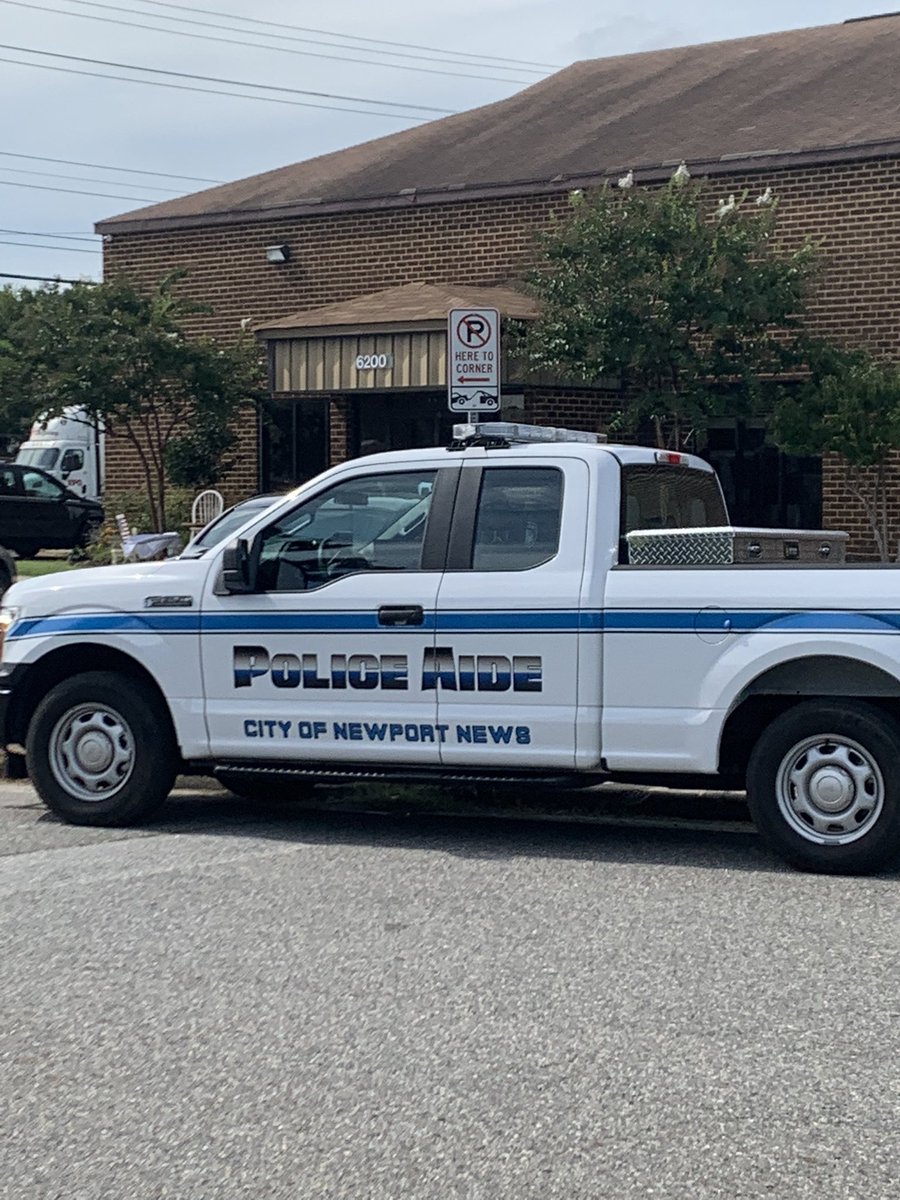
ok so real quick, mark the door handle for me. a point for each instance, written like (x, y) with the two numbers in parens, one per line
(401, 614)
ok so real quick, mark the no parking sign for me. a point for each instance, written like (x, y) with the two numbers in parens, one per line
(473, 361)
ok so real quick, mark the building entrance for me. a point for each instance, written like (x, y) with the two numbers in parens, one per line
(293, 442)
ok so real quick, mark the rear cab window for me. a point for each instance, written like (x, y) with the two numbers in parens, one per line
(668, 497)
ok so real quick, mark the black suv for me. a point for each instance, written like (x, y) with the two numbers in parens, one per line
(37, 512)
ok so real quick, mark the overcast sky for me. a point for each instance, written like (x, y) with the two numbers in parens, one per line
(413, 56)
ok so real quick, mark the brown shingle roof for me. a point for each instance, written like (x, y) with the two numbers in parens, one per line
(824, 89)
(409, 304)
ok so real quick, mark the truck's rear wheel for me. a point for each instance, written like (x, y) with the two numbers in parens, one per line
(101, 750)
(823, 786)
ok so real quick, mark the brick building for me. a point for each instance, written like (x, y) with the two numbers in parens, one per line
(363, 251)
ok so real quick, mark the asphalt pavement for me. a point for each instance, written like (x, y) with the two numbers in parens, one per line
(270, 1001)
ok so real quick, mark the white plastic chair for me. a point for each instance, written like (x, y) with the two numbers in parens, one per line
(206, 507)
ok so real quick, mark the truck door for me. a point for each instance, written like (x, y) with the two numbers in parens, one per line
(324, 660)
(72, 470)
(505, 662)
(45, 519)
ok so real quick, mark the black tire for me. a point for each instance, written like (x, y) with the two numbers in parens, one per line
(24, 549)
(88, 534)
(266, 788)
(823, 785)
(101, 750)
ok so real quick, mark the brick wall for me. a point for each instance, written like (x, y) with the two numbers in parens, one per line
(849, 209)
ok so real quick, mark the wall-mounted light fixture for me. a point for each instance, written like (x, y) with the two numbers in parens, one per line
(278, 254)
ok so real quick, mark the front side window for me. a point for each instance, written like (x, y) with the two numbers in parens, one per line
(369, 523)
(518, 518)
(34, 484)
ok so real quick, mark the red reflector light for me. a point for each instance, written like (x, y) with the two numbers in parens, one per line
(669, 456)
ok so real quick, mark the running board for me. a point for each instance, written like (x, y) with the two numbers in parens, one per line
(373, 774)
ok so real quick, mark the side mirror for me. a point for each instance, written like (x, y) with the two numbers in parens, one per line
(238, 567)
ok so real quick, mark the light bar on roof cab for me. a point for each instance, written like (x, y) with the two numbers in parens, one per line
(513, 432)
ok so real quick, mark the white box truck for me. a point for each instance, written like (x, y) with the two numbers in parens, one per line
(70, 447)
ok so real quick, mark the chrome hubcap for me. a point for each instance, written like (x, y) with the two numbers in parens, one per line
(91, 752)
(830, 790)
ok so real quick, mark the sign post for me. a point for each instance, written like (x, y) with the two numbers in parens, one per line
(473, 360)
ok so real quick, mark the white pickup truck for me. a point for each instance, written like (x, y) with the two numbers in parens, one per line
(469, 613)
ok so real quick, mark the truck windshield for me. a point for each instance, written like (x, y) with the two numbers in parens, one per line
(38, 457)
(664, 497)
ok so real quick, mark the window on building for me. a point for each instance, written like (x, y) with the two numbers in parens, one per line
(293, 442)
(518, 518)
(368, 523)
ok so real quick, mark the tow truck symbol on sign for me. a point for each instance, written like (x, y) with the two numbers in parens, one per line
(481, 400)
(473, 367)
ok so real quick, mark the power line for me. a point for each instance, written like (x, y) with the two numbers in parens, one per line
(44, 278)
(90, 179)
(180, 87)
(462, 59)
(68, 162)
(265, 87)
(72, 237)
(208, 12)
(43, 187)
(62, 249)
(243, 43)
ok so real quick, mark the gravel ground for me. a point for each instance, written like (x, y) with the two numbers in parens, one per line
(267, 1001)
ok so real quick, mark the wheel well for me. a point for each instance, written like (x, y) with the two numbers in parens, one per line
(62, 664)
(789, 684)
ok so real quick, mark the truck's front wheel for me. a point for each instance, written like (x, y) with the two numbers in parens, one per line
(101, 750)
(823, 786)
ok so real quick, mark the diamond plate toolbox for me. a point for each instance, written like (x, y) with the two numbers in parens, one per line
(726, 544)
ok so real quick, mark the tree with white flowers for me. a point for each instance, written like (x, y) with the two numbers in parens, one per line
(686, 298)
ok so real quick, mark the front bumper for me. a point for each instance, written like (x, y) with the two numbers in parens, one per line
(11, 729)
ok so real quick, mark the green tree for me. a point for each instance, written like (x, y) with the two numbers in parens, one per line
(850, 406)
(16, 407)
(684, 303)
(123, 356)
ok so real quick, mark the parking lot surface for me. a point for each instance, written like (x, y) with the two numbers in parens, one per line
(269, 1001)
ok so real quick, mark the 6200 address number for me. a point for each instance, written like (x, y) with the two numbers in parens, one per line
(369, 362)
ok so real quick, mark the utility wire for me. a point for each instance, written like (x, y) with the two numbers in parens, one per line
(180, 87)
(381, 42)
(43, 187)
(71, 237)
(265, 87)
(62, 249)
(461, 58)
(68, 162)
(91, 179)
(44, 278)
(243, 43)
